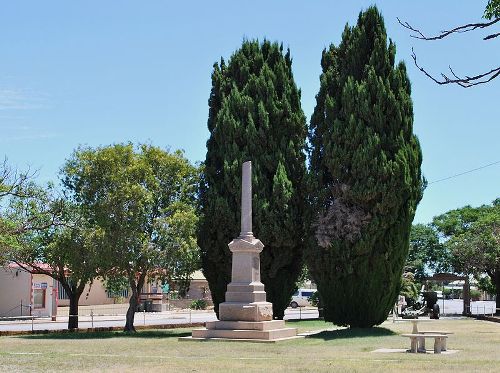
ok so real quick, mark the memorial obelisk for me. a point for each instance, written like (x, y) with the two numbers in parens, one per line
(246, 314)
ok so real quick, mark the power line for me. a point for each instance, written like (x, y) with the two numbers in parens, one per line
(463, 173)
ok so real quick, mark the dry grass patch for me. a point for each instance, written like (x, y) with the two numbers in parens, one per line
(337, 349)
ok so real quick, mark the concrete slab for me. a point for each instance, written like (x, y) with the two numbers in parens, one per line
(246, 325)
(245, 333)
(188, 339)
(400, 350)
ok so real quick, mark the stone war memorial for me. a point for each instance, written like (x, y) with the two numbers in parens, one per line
(246, 315)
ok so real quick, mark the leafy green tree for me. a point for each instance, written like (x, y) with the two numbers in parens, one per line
(13, 185)
(473, 237)
(255, 114)
(409, 288)
(53, 239)
(365, 174)
(115, 286)
(134, 197)
(186, 257)
(6, 239)
(426, 252)
(45, 234)
(458, 221)
(484, 283)
(492, 10)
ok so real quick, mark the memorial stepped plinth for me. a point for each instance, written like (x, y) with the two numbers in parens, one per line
(246, 330)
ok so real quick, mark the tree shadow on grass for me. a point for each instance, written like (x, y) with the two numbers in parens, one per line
(308, 323)
(111, 334)
(328, 335)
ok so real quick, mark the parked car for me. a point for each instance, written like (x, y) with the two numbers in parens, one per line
(301, 298)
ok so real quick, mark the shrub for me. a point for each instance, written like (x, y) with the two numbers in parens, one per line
(198, 304)
(314, 299)
(475, 294)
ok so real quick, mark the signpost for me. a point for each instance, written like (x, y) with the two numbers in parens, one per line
(166, 288)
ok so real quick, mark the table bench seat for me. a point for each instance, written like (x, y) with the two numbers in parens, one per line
(443, 347)
(417, 341)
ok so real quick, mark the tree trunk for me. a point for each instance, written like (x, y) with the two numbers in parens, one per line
(133, 302)
(73, 311)
(496, 281)
(466, 296)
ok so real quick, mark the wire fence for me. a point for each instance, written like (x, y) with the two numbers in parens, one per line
(122, 308)
(115, 316)
(22, 313)
(97, 321)
(483, 310)
(19, 310)
(97, 310)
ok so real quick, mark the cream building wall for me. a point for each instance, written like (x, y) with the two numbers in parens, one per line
(92, 295)
(22, 293)
(15, 290)
(44, 295)
(18, 286)
(198, 289)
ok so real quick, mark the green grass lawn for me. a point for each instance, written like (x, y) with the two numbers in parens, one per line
(336, 349)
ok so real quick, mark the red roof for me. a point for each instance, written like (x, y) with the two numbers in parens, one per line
(41, 266)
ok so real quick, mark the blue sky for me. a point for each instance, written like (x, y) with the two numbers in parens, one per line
(101, 72)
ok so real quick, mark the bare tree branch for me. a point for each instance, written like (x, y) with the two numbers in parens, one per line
(492, 36)
(466, 82)
(14, 183)
(460, 29)
(30, 226)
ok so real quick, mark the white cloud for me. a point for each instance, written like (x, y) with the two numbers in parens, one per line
(21, 99)
(33, 136)
(15, 126)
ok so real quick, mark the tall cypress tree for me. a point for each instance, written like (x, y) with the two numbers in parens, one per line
(365, 170)
(255, 114)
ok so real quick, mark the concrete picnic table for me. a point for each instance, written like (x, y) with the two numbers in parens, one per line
(417, 342)
(415, 324)
(418, 337)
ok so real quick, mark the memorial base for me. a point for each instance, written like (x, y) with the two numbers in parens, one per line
(254, 311)
(260, 331)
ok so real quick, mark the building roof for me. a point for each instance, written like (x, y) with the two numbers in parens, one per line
(41, 267)
(197, 275)
(445, 277)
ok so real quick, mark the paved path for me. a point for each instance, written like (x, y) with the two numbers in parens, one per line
(301, 313)
(141, 318)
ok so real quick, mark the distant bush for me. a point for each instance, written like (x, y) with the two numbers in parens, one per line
(198, 304)
(447, 293)
(475, 294)
(314, 299)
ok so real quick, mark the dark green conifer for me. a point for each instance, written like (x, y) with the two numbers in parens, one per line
(365, 171)
(255, 114)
